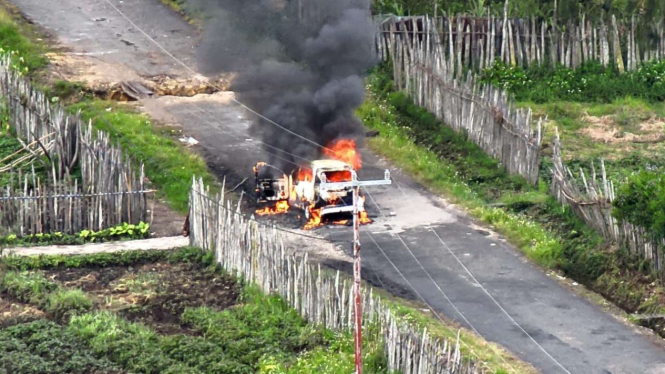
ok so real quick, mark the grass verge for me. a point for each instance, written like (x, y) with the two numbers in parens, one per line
(22, 39)
(167, 165)
(190, 12)
(549, 234)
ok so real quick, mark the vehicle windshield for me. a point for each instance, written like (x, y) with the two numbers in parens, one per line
(338, 176)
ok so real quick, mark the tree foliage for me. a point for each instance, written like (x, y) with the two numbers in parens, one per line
(567, 10)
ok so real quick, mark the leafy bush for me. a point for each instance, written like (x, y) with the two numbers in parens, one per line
(261, 325)
(591, 82)
(122, 232)
(44, 347)
(641, 201)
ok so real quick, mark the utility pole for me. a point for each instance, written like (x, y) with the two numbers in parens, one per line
(356, 184)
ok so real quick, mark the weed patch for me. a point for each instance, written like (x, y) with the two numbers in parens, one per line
(28, 56)
(34, 288)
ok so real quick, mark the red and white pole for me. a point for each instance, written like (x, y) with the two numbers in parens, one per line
(358, 335)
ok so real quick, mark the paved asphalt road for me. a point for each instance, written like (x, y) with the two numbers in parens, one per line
(466, 273)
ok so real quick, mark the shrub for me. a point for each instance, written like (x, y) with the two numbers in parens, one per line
(641, 201)
(591, 82)
(44, 347)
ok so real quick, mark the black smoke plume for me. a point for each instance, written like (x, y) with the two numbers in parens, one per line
(301, 63)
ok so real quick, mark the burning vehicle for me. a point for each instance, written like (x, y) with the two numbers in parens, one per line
(272, 185)
(303, 189)
(317, 202)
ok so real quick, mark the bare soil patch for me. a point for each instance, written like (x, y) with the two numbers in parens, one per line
(13, 312)
(155, 294)
(604, 129)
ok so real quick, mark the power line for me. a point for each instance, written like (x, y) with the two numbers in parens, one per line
(499, 305)
(209, 82)
(326, 148)
(503, 310)
(436, 284)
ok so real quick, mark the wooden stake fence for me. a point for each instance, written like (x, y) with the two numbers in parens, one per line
(110, 191)
(487, 115)
(425, 66)
(257, 254)
(591, 200)
(476, 43)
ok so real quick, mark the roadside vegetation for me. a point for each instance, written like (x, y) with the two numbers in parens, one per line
(176, 312)
(169, 166)
(528, 216)
(28, 57)
(566, 9)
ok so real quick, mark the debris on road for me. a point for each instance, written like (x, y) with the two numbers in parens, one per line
(189, 141)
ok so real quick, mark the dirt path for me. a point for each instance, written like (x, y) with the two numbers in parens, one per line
(427, 247)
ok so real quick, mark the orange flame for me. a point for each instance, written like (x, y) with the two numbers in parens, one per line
(280, 207)
(364, 218)
(339, 176)
(314, 218)
(344, 150)
(305, 174)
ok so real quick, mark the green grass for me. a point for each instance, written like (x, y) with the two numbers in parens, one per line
(168, 165)
(623, 157)
(15, 37)
(67, 302)
(192, 13)
(260, 330)
(26, 55)
(255, 335)
(28, 287)
(31, 287)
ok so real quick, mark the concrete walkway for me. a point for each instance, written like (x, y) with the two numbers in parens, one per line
(86, 249)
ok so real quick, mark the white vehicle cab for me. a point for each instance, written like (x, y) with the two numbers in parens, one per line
(310, 195)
